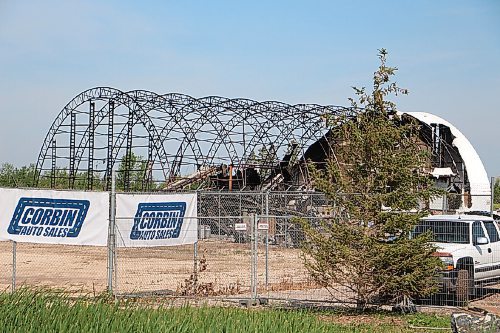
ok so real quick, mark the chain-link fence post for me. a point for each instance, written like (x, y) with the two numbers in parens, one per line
(195, 257)
(286, 233)
(445, 204)
(240, 211)
(253, 254)
(14, 260)
(111, 236)
(492, 206)
(252, 262)
(218, 210)
(115, 263)
(267, 240)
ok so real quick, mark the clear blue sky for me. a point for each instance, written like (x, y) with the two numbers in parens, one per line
(448, 54)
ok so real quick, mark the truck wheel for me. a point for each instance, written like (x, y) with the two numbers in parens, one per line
(465, 286)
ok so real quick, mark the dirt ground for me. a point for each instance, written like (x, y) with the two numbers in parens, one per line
(225, 268)
(490, 303)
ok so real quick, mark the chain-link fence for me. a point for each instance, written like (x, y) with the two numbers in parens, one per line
(6, 262)
(77, 269)
(249, 246)
(453, 203)
(153, 270)
(218, 264)
(74, 269)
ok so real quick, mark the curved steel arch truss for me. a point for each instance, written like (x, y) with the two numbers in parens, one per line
(175, 141)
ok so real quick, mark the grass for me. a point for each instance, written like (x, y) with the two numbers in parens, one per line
(41, 311)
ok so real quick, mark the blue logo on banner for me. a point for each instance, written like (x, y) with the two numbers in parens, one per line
(48, 217)
(158, 220)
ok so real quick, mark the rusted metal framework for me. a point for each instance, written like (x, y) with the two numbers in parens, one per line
(175, 141)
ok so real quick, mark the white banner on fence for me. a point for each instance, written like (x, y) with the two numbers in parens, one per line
(54, 217)
(156, 220)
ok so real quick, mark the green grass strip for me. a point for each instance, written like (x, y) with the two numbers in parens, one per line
(39, 311)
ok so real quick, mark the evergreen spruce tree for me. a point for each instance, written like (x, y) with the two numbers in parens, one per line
(376, 179)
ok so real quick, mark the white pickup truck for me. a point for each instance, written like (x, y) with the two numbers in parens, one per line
(469, 246)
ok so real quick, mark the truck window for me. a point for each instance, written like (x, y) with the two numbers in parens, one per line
(492, 231)
(444, 231)
(477, 231)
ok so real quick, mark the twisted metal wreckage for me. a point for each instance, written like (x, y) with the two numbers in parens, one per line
(217, 143)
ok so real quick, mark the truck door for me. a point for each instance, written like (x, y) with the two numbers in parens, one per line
(481, 253)
(492, 231)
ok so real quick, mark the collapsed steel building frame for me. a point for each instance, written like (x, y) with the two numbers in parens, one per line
(181, 142)
(174, 142)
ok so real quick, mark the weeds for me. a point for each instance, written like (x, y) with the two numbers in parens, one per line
(45, 311)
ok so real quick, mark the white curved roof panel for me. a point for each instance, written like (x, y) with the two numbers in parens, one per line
(478, 178)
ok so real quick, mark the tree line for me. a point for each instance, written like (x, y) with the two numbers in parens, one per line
(24, 177)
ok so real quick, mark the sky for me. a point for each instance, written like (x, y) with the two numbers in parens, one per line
(447, 53)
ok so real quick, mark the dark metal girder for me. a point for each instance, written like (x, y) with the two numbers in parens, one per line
(178, 134)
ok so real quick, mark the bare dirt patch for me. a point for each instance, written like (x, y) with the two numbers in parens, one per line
(490, 303)
(155, 269)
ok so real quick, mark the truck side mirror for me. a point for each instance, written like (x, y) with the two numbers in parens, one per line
(481, 241)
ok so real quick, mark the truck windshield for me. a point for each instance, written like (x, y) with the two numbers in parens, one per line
(444, 231)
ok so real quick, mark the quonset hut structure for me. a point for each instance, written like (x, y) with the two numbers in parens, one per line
(175, 142)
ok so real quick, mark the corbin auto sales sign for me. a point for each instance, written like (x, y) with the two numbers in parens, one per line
(54, 217)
